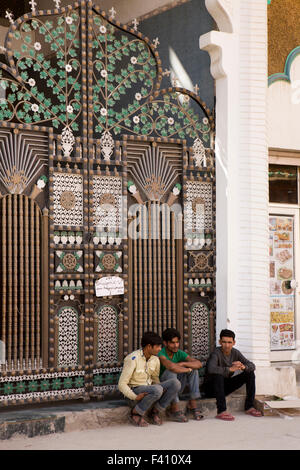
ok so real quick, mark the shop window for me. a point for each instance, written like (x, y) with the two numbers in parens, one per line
(283, 184)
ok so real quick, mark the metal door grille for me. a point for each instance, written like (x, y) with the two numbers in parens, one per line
(20, 282)
(154, 270)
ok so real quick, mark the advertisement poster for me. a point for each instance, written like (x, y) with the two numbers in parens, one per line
(281, 272)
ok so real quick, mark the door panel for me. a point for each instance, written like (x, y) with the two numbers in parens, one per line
(155, 281)
(281, 274)
(70, 340)
(283, 248)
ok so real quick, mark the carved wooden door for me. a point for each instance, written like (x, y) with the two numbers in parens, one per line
(87, 132)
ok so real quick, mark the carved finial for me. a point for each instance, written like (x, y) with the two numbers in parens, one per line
(33, 4)
(107, 145)
(9, 16)
(156, 43)
(166, 72)
(113, 13)
(67, 141)
(135, 24)
(196, 89)
(199, 153)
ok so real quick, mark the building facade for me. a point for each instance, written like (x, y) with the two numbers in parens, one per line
(283, 143)
(135, 192)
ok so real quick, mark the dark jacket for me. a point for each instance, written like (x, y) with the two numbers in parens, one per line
(218, 363)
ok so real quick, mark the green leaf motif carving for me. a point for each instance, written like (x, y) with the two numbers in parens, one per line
(49, 73)
(125, 79)
(45, 80)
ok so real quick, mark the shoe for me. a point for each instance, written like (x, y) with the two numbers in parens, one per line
(195, 412)
(137, 420)
(253, 412)
(225, 416)
(155, 417)
(177, 416)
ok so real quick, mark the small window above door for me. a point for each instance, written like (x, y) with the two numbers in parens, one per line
(283, 184)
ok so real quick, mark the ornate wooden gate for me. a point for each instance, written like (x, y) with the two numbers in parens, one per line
(107, 205)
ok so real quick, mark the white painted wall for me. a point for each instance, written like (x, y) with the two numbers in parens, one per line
(284, 111)
(239, 65)
(244, 106)
(253, 278)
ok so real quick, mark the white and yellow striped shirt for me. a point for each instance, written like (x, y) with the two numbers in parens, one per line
(138, 371)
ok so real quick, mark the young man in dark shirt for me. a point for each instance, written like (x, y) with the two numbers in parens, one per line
(228, 370)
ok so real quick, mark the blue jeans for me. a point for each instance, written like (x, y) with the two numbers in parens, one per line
(160, 395)
(190, 378)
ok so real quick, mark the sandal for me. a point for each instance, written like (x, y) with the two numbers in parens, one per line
(195, 412)
(155, 417)
(139, 421)
(225, 416)
(253, 412)
(177, 416)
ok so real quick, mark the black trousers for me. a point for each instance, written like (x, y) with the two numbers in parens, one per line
(219, 387)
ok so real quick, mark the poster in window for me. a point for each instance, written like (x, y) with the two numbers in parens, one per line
(281, 272)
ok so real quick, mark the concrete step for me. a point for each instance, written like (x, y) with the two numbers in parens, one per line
(79, 416)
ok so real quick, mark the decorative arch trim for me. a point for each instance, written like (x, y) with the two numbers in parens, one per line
(221, 11)
(286, 75)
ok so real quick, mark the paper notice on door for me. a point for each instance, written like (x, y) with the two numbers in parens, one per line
(108, 286)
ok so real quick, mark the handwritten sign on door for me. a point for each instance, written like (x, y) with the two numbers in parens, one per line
(107, 286)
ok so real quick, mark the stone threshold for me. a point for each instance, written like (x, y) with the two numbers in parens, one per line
(80, 416)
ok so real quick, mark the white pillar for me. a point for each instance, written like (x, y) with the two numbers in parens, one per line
(253, 285)
(239, 66)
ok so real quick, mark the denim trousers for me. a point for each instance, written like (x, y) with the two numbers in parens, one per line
(219, 387)
(160, 395)
(186, 378)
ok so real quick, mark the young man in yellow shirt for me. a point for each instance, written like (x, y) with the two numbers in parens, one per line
(139, 382)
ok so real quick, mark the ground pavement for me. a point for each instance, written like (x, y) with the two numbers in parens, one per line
(245, 433)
